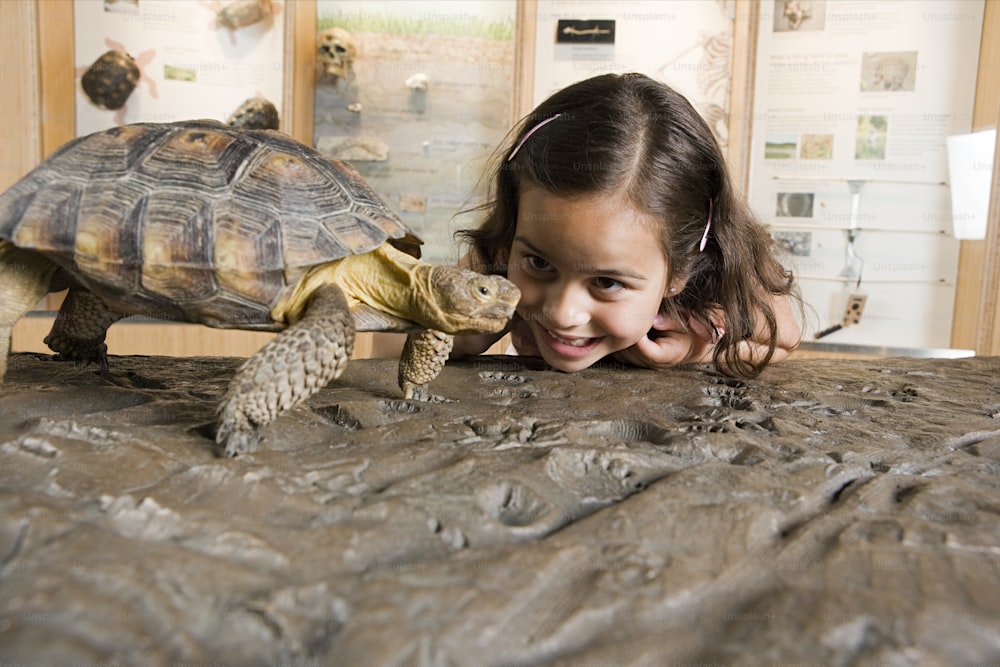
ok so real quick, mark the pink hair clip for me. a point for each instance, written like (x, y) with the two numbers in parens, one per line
(704, 237)
(529, 133)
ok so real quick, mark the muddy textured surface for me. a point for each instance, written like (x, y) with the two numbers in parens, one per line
(830, 512)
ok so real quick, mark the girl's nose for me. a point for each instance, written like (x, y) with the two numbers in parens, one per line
(566, 306)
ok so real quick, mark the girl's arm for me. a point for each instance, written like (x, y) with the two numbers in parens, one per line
(473, 344)
(788, 338)
(671, 342)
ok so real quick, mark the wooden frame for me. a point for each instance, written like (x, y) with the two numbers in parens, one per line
(988, 331)
(524, 57)
(975, 323)
(300, 68)
(741, 106)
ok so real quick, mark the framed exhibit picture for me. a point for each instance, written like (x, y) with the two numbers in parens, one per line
(417, 97)
(852, 108)
(162, 61)
(687, 45)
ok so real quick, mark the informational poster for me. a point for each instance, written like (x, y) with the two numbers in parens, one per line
(417, 96)
(192, 59)
(687, 45)
(853, 104)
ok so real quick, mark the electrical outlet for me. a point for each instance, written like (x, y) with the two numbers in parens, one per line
(855, 306)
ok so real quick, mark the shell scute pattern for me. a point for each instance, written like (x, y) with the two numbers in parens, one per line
(47, 224)
(102, 245)
(176, 249)
(196, 158)
(75, 192)
(111, 155)
(248, 258)
(346, 215)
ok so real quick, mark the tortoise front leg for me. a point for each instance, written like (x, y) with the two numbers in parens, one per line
(424, 355)
(80, 327)
(290, 368)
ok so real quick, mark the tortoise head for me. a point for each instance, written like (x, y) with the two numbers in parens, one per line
(465, 302)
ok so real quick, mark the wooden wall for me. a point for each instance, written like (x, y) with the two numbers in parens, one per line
(19, 91)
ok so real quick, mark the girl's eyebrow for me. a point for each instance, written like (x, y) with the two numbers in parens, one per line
(613, 273)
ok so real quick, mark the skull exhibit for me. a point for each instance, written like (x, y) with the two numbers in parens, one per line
(337, 50)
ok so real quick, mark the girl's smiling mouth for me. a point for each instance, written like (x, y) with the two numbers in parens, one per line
(567, 346)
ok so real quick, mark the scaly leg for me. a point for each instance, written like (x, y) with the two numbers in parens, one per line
(80, 327)
(424, 355)
(24, 279)
(293, 366)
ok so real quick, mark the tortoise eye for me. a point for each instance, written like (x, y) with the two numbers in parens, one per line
(483, 291)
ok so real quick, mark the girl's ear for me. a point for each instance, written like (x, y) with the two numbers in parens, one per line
(675, 287)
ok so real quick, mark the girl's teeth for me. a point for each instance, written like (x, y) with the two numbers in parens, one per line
(576, 342)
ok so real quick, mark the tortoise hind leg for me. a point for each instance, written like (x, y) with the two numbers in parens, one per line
(80, 327)
(24, 279)
(290, 368)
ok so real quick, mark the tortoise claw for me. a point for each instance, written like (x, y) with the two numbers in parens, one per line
(236, 433)
(415, 392)
(80, 352)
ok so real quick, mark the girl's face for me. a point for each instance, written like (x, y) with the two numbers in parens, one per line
(591, 273)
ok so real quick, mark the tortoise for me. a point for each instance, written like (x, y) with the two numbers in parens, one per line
(241, 13)
(231, 228)
(256, 113)
(110, 80)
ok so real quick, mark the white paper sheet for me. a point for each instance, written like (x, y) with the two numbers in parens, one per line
(970, 170)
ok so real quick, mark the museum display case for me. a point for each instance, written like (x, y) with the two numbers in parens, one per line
(840, 146)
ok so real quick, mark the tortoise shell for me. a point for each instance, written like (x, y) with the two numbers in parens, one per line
(241, 13)
(195, 220)
(111, 79)
(256, 113)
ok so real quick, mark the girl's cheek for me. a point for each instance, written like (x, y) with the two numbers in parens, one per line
(629, 322)
(529, 288)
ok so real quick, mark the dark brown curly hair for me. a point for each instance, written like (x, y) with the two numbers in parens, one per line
(630, 133)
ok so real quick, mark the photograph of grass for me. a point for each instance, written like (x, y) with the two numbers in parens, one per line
(780, 146)
(172, 73)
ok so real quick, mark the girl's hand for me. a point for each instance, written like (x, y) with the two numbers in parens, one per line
(669, 343)
(522, 339)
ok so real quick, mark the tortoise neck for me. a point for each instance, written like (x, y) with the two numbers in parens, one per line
(385, 279)
(411, 293)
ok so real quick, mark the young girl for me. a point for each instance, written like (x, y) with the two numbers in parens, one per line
(614, 214)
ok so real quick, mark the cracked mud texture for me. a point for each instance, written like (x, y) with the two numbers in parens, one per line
(830, 512)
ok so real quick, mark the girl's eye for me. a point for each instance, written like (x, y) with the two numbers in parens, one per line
(536, 263)
(608, 284)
